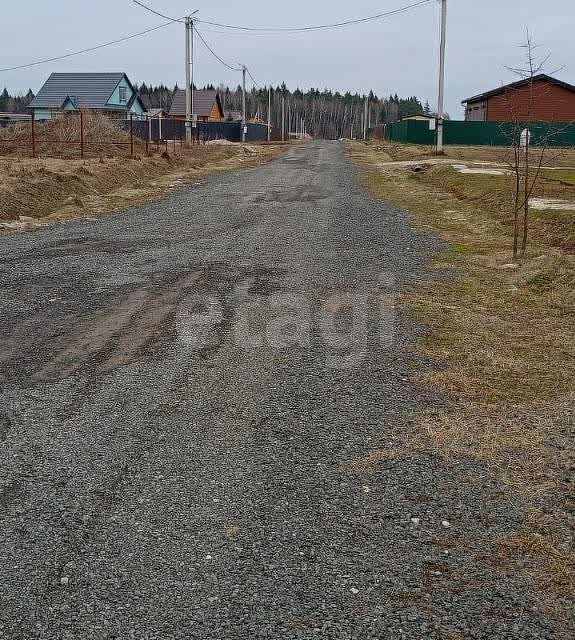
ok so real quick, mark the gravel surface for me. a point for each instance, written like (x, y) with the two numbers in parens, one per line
(190, 393)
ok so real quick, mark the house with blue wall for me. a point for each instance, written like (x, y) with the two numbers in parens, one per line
(109, 93)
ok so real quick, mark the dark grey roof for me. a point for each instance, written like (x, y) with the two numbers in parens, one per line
(203, 102)
(87, 90)
(517, 85)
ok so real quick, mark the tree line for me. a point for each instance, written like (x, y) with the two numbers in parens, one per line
(324, 113)
(15, 104)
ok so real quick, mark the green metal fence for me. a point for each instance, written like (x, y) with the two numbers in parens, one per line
(458, 132)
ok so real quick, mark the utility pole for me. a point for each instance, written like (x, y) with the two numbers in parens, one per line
(244, 119)
(188, 123)
(365, 118)
(283, 118)
(192, 67)
(270, 113)
(440, 105)
(189, 22)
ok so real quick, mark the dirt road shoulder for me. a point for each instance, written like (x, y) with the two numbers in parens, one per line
(502, 337)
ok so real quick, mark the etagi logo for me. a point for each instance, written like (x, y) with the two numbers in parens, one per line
(340, 328)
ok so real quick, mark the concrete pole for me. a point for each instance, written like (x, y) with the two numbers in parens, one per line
(440, 105)
(270, 113)
(192, 66)
(188, 84)
(244, 119)
(283, 119)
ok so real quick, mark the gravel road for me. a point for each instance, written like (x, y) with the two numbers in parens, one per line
(200, 403)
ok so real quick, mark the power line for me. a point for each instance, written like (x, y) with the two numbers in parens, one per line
(216, 56)
(89, 49)
(157, 13)
(253, 79)
(260, 30)
(319, 27)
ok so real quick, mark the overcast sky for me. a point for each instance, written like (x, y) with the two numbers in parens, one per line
(398, 54)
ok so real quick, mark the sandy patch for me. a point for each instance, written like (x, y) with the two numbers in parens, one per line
(545, 204)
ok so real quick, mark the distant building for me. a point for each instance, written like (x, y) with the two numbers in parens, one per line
(156, 113)
(207, 105)
(418, 116)
(548, 100)
(110, 93)
(233, 116)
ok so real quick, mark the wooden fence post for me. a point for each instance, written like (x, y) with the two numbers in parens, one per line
(131, 135)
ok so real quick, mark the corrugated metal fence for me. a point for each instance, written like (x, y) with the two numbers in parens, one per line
(457, 132)
(170, 129)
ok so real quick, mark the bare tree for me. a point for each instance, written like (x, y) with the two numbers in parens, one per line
(528, 155)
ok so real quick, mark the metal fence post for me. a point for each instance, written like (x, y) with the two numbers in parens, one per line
(147, 136)
(33, 132)
(81, 134)
(131, 135)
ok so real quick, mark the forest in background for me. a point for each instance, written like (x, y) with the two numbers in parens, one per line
(326, 114)
(15, 104)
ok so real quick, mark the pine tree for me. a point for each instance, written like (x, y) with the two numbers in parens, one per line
(4, 97)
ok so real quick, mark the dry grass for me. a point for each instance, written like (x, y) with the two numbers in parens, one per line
(52, 189)
(102, 136)
(503, 334)
(503, 338)
(554, 567)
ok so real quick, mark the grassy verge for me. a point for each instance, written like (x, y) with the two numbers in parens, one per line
(502, 336)
(44, 190)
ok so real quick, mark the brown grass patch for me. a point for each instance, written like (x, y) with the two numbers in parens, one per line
(553, 567)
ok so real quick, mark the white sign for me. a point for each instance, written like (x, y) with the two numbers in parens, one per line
(245, 129)
(525, 138)
(432, 124)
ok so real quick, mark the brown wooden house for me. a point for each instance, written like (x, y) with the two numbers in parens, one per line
(545, 99)
(207, 106)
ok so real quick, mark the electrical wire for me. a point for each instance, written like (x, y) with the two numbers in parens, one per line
(157, 13)
(89, 49)
(216, 56)
(260, 30)
(253, 79)
(319, 27)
